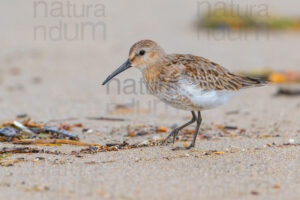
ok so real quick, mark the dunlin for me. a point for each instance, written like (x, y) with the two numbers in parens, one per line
(184, 81)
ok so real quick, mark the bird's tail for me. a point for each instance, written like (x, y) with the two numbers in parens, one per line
(248, 81)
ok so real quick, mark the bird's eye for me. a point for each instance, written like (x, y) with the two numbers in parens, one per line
(142, 52)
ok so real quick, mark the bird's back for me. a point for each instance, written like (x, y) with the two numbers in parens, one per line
(192, 82)
(207, 74)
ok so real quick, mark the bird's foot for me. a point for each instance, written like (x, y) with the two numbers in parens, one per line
(173, 133)
(184, 148)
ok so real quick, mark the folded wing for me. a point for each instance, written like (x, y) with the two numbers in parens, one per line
(209, 75)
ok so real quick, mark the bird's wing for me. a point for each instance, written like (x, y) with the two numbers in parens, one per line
(206, 74)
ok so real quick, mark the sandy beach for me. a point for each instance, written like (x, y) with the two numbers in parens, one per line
(52, 77)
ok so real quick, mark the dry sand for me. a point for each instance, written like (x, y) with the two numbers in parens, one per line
(61, 79)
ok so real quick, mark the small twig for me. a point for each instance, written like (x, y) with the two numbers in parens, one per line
(105, 118)
(60, 120)
(26, 150)
(53, 141)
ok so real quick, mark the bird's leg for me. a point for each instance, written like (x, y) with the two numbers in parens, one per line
(176, 130)
(199, 120)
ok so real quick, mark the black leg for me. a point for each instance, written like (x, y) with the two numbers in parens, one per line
(175, 132)
(199, 120)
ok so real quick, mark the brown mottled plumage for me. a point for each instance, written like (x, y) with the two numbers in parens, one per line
(184, 81)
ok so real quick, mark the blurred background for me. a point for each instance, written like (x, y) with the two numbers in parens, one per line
(55, 54)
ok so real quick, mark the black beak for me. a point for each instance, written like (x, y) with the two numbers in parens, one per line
(122, 68)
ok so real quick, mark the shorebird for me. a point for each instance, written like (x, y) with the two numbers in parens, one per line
(184, 81)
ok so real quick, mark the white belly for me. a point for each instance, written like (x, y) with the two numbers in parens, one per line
(206, 99)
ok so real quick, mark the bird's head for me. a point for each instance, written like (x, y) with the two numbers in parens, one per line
(142, 54)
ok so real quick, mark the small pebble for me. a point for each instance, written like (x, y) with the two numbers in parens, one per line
(291, 141)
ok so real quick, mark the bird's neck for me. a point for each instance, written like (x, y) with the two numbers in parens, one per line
(151, 75)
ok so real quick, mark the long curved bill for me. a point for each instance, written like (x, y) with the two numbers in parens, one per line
(122, 68)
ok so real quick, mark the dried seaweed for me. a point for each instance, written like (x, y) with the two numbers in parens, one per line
(8, 131)
(52, 129)
(118, 146)
(5, 150)
(52, 142)
(28, 129)
(228, 18)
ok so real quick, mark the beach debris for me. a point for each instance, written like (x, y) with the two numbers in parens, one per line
(131, 134)
(52, 142)
(232, 112)
(91, 162)
(119, 146)
(292, 141)
(253, 192)
(16, 133)
(87, 130)
(14, 150)
(37, 188)
(4, 155)
(206, 132)
(106, 119)
(101, 192)
(55, 130)
(10, 162)
(8, 131)
(213, 152)
(22, 115)
(38, 159)
(288, 91)
(66, 119)
(140, 130)
(185, 144)
(289, 76)
(161, 129)
(266, 73)
(32, 124)
(103, 148)
(22, 127)
(17, 125)
(122, 109)
(259, 72)
(58, 162)
(32, 128)
(276, 186)
(128, 109)
(68, 127)
(227, 18)
(36, 80)
(228, 127)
